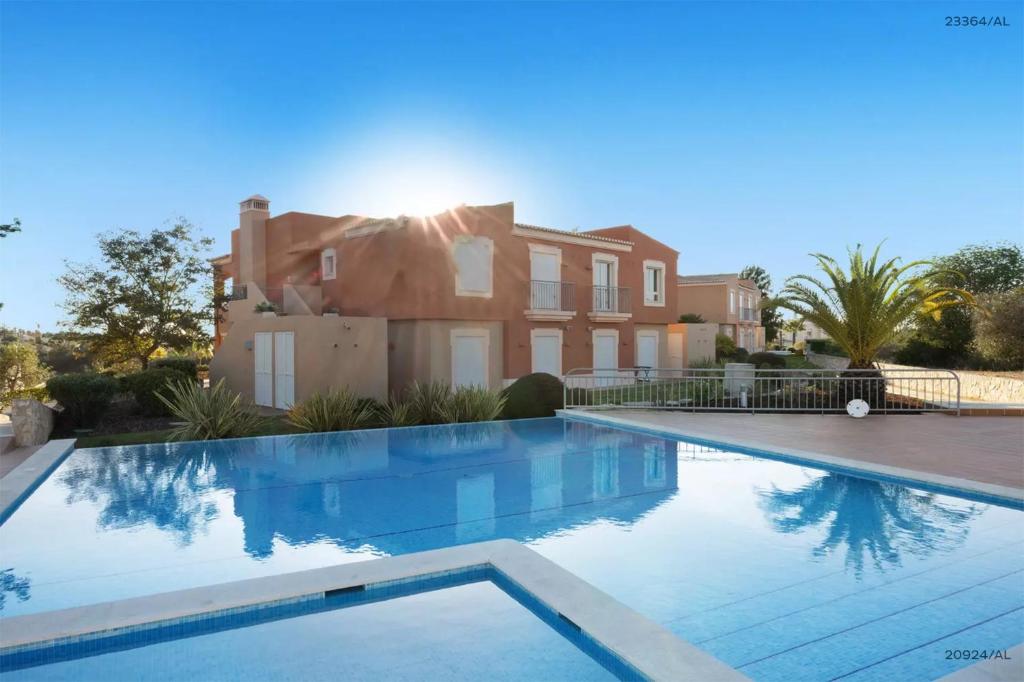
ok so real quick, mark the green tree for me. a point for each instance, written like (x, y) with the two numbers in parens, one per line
(999, 330)
(949, 340)
(691, 318)
(771, 318)
(19, 369)
(144, 295)
(864, 308)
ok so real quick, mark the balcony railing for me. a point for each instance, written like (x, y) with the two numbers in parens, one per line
(558, 296)
(748, 314)
(611, 300)
(239, 292)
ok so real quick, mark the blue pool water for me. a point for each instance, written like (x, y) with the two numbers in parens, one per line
(471, 632)
(784, 571)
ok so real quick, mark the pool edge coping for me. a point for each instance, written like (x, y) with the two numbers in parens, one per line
(951, 483)
(641, 643)
(22, 480)
(998, 670)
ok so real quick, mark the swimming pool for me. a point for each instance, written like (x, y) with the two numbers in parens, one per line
(783, 571)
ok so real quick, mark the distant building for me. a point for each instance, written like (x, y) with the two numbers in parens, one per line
(732, 303)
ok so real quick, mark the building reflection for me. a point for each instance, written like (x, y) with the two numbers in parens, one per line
(393, 491)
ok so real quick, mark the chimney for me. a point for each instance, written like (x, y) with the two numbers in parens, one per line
(253, 214)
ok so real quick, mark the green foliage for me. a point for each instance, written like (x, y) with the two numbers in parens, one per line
(724, 346)
(427, 400)
(767, 361)
(187, 366)
(19, 370)
(771, 318)
(691, 318)
(825, 347)
(999, 332)
(472, 404)
(143, 295)
(705, 364)
(862, 309)
(147, 384)
(761, 278)
(949, 341)
(534, 395)
(209, 414)
(264, 307)
(396, 412)
(336, 410)
(10, 228)
(739, 355)
(84, 397)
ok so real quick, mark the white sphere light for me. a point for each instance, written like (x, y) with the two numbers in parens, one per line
(857, 408)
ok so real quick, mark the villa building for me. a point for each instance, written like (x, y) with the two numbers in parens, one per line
(468, 296)
(732, 303)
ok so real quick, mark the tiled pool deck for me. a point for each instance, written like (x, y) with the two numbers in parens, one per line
(986, 450)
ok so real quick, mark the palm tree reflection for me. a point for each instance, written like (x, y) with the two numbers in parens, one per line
(877, 522)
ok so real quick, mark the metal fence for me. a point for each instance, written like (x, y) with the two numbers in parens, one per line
(744, 389)
(558, 296)
(611, 299)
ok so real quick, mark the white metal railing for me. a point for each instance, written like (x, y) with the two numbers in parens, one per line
(744, 389)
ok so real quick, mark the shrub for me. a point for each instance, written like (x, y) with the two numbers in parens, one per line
(706, 363)
(825, 347)
(209, 413)
(145, 385)
(691, 318)
(739, 355)
(336, 410)
(472, 404)
(767, 361)
(427, 400)
(264, 307)
(187, 366)
(534, 395)
(724, 346)
(396, 412)
(84, 397)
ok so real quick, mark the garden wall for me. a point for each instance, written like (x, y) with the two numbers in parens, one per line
(973, 385)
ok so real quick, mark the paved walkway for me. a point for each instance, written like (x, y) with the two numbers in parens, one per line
(985, 449)
(13, 458)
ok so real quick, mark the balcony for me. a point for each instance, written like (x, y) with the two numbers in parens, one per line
(748, 315)
(239, 292)
(551, 301)
(610, 304)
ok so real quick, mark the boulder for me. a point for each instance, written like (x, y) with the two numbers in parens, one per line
(31, 421)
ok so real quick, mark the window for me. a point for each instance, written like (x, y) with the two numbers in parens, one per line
(328, 264)
(654, 283)
(732, 301)
(473, 258)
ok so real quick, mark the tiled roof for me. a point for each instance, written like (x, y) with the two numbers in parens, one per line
(705, 279)
(586, 235)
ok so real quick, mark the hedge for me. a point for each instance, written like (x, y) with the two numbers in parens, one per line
(534, 395)
(144, 385)
(84, 397)
(187, 366)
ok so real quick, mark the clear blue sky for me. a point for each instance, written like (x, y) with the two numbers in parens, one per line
(737, 133)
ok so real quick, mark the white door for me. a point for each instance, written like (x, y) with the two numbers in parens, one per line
(547, 351)
(284, 369)
(263, 344)
(606, 357)
(647, 349)
(469, 359)
(675, 351)
(545, 285)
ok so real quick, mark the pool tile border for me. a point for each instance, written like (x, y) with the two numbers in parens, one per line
(943, 484)
(19, 483)
(640, 644)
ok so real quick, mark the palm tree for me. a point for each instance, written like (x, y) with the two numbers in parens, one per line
(864, 308)
(794, 326)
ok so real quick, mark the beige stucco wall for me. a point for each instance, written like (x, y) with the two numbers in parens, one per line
(698, 341)
(421, 350)
(330, 352)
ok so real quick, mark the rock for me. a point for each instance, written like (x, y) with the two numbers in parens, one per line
(32, 422)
